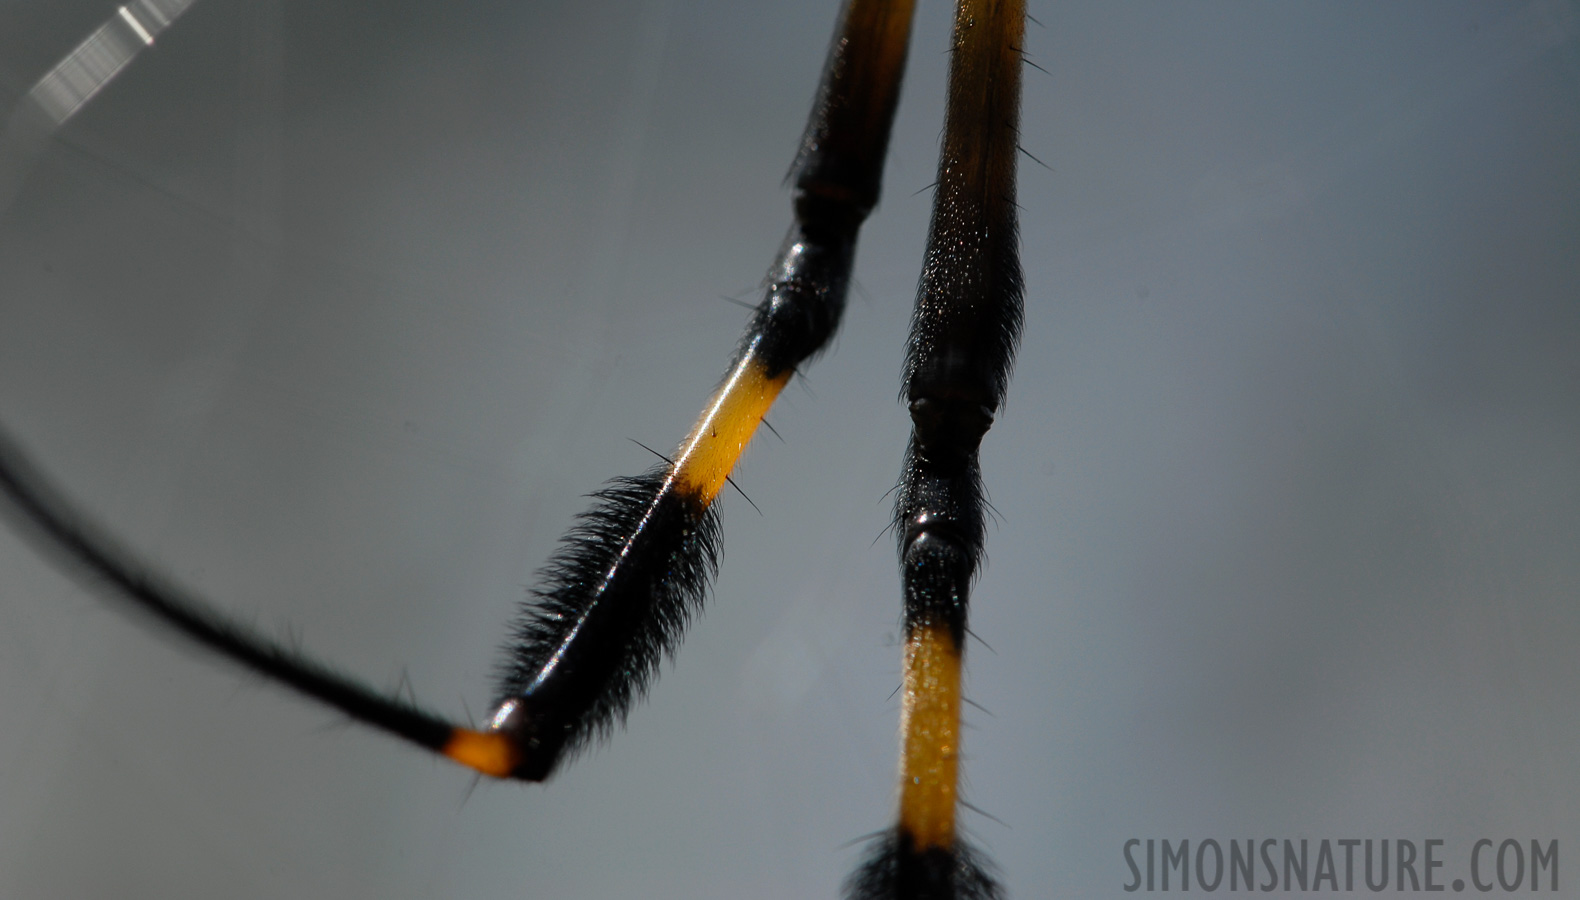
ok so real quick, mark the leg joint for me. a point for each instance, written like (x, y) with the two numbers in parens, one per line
(949, 427)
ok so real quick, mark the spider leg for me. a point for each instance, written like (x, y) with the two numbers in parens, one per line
(623, 585)
(963, 337)
(627, 578)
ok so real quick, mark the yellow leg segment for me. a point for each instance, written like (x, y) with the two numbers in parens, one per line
(930, 728)
(725, 428)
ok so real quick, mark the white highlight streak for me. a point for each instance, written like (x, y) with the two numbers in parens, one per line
(136, 26)
(74, 81)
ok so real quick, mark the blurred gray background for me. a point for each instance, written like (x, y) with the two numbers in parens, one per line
(336, 309)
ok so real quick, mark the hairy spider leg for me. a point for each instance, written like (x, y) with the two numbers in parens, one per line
(964, 333)
(622, 586)
(627, 578)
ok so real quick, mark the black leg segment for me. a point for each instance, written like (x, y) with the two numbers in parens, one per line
(963, 337)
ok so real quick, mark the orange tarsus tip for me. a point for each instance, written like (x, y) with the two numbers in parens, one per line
(488, 752)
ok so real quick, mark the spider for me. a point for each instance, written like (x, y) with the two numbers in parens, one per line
(457, 463)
